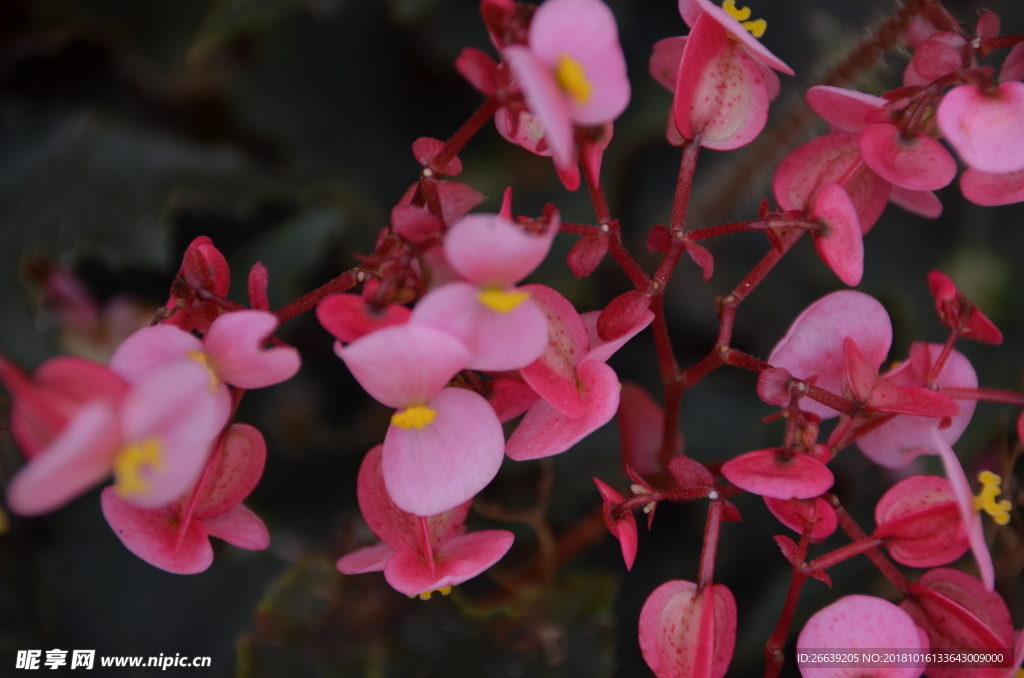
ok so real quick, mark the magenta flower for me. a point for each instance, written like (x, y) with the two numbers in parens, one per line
(572, 72)
(687, 631)
(175, 537)
(858, 623)
(419, 555)
(500, 325)
(444, 444)
(920, 520)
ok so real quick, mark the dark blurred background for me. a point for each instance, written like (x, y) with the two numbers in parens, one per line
(282, 130)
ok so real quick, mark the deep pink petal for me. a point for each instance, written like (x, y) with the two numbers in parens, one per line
(152, 534)
(546, 101)
(769, 474)
(369, 559)
(937, 56)
(842, 247)
(553, 375)
(456, 561)
(239, 527)
(922, 203)
(150, 348)
(1013, 65)
(814, 343)
(545, 431)
(641, 430)
(496, 341)
(690, 10)
(232, 472)
(987, 131)
(622, 528)
(921, 521)
(510, 398)
(491, 251)
(80, 457)
(600, 349)
(920, 163)
(846, 110)
(665, 59)
(988, 189)
(686, 632)
(235, 343)
(439, 467)
(406, 364)
(796, 513)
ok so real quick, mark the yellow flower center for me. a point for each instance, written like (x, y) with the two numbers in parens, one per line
(756, 28)
(986, 501)
(502, 301)
(413, 417)
(572, 78)
(128, 466)
(444, 591)
(206, 363)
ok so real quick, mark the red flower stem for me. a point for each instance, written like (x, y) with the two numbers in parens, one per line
(210, 298)
(843, 553)
(428, 552)
(462, 136)
(773, 655)
(992, 395)
(940, 362)
(853, 530)
(342, 283)
(838, 403)
(725, 229)
(710, 550)
(610, 226)
(677, 496)
(579, 229)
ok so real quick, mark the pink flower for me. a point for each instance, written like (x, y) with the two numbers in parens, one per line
(572, 72)
(920, 520)
(985, 127)
(202, 268)
(859, 623)
(419, 555)
(175, 537)
(444, 444)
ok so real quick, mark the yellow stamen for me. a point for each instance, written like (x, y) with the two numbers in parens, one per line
(413, 417)
(502, 301)
(444, 591)
(756, 28)
(986, 501)
(572, 78)
(129, 463)
(206, 363)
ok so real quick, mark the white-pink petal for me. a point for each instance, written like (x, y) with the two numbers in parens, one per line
(546, 101)
(149, 348)
(235, 343)
(491, 251)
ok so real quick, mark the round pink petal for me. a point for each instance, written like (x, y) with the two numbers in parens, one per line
(986, 130)
(796, 513)
(239, 527)
(491, 251)
(545, 431)
(842, 247)
(921, 521)
(814, 344)
(149, 348)
(665, 59)
(496, 341)
(235, 343)
(447, 462)
(404, 365)
(691, 10)
(584, 30)
(920, 163)
(845, 109)
(369, 559)
(922, 203)
(546, 101)
(456, 561)
(152, 534)
(859, 623)
(769, 474)
(232, 472)
(80, 457)
(988, 189)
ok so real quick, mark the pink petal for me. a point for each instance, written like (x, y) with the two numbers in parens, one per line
(721, 95)
(965, 500)
(769, 474)
(232, 472)
(439, 467)
(988, 189)
(235, 343)
(584, 30)
(80, 457)
(859, 623)
(920, 163)
(546, 101)
(814, 343)
(987, 131)
(406, 364)
(920, 519)
(478, 68)
(152, 534)
(621, 314)
(456, 561)
(523, 129)
(922, 203)
(545, 431)
(641, 430)
(510, 398)
(600, 349)
(149, 348)
(758, 51)
(586, 255)
(665, 59)
(845, 109)
(1013, 65)
(239, 527)
(348, 316)
(937, 56)
(369, 559)
(496, 341)
(796, 513)
(686, 632)
(553, 375)
(414, 223)
(842, 247)
(491, 251)
(425, 148)
(624, 528)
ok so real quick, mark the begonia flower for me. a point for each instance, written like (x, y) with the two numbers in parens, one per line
(203, 267)
(688, 631)
(444, 444)
(921, 522)
(348, 316)
(418, 554)
(985, 127)
(858, 623)
(175, 537)
(500, 325)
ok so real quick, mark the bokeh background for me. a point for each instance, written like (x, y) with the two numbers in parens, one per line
(282, 130)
